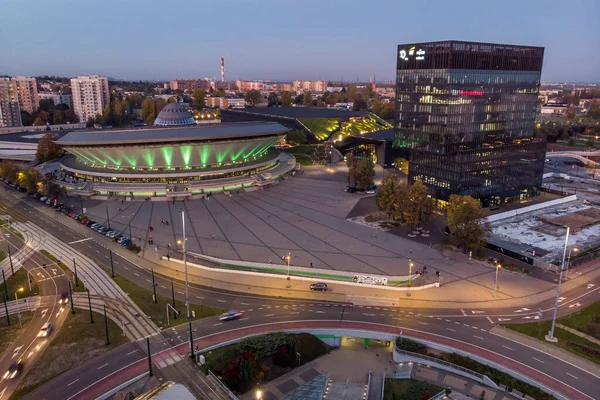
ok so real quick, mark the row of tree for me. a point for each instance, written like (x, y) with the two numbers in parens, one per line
(30, 179)
(49, 113)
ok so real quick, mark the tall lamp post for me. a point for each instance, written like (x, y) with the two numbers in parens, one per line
(550, 336)
(288, 258)
(498, 266)
(575, 249)
(410, 265)
(17, 301)
(185, 269)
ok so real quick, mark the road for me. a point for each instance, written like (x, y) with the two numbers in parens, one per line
(463, 325)
(51, 282)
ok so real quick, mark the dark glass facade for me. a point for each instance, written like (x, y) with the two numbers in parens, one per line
(466, 112)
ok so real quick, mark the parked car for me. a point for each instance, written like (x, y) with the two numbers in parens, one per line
(125, 242)
(84, 221)
(322, 286)
(43, 198)
(372, 189)
(89, 222)
(230, 315)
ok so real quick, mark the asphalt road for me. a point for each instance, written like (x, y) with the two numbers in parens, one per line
(466, 325)
(52, 283)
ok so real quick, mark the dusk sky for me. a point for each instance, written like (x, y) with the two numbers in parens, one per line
(281, 39)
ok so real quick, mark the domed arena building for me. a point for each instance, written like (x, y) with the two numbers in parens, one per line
(174, 114)
(176, 159)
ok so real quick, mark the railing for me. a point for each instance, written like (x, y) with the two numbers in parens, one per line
(438, 396)
(221, 385)
(368, 385)
(432, 360)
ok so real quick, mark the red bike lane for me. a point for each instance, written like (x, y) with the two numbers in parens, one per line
(135, 369)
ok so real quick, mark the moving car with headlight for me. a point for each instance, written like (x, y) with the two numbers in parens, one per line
(228, 316)
(45, 330)
(64, 298)
(14, 370)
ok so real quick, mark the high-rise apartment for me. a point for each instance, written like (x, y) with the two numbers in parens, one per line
(27, 92)
(465, 113)
(90, 96)
(10, 114)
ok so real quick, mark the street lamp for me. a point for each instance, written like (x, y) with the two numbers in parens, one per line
(258, 394)
(575, 249)
(550, 336)
(498, 266)
(185, 269)
(410, 265)
(17, 301)
(288, 258)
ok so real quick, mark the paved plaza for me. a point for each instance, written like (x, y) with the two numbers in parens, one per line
(304, 216)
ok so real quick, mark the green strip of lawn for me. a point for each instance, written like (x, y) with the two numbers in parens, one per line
(70, 275)
(14, 283)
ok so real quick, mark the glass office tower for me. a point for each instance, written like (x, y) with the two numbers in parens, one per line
(466, 113)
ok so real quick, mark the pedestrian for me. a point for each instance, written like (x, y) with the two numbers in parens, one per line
(270, 261)
(121, 201)
(167, 223)
(168, 245)
(311, 264)
(119, 209)
(162, 221)
(168, 257)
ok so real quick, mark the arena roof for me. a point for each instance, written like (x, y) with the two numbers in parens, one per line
(174, 115)
(303, 112)
(28, 137)
(176, 134)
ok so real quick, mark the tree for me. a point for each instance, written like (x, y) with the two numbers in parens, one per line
(49, 187)
(360, 104)
(70, 116)
(307, 98)
(28, 178)
(402, 164)
(351, 92)
(48, 149)
(286, 99)
(8, 170)
(106, 115)
(26, 118)
(149, 110)
(351, 164)
(199, 99)
(365, 173)
(273, 100)
(466, 222)
(385, 195)
(299, 99)
(46, 105)
(416, 202)
(252, 97)
(159, 104)
(296, 136)
(58, 117)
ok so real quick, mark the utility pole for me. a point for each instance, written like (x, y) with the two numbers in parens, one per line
(12, 270)
(112, 266)
(75, 268)
(550, 336)
(149, 356)
(106, 326)
(191, 342)
(5, 306)
(71, 298)
(154, 287)
(90, 303)
(185, 269)
(107, 217)
(173, 293)
(5, 285)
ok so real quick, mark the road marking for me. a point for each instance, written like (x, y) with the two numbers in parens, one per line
(198, 297)
(457, 323)
(136, 274)
(538, 360)
(463, 311)
(468, 326)
(506, 347)
(423, 323)
(79, 241)
(489, 319)
(575, 305)
(320, 312)
(221, 301)
(148, 280)
(452, 330)
(478, 337)
(560, 299)
(243, 319)
(69, 384)
(131, 352)
(269, 315)
(504, 319)
(439, 319)
(591, 285)
(179, 292)
(125, 267)
(447, 320)
(102, 366)
(245, 304)
(220, 323)
(573, 376)
(477, 312)
(522, 309)
(294, 313)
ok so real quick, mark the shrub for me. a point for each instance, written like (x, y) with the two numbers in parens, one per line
(410, 345)
(586, 349)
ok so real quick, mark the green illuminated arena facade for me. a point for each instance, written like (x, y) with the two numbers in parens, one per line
(173, 154)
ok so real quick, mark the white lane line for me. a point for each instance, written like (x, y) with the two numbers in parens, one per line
(79, 241)
(457, 323)
(294, 313)
(198, 297)
(243, 319)
(136, 274)
(221, 301)
(125, 267)
(245, 304)
(131, 352)
(179, 292)
(438, 318)
(69, 384)
(468, 326)
(453, 330)
(220, 323)
(447, 320)
(148, 280)
(538, 360)
(572, 376)
(478, 337)
(506, 347)
(423, 323)
(102, 366)
(269, 315)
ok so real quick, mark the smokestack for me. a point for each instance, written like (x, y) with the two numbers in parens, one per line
(222, 69)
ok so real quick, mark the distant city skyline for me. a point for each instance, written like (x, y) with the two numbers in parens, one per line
(282, 41)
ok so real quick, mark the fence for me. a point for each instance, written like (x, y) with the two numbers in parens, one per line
(221, 385)
(369, 385)
(438, 396)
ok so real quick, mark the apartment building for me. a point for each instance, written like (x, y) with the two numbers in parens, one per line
(57, 98)
(313, 86)
(189, 84)
(90, 96)
(10, 113)
(27, 92)
(225, 102)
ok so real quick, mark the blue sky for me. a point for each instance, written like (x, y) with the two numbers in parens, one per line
(282, 39)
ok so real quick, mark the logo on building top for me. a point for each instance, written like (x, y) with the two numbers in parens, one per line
(412, 52)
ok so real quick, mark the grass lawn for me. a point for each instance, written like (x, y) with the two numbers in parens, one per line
(67, 271)
(75, 343)
(9, 334)
(585, 319)
(2, 255)
(157, 311)
(16, 281)
(321, 127)
(303, 159)
(409, 389)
